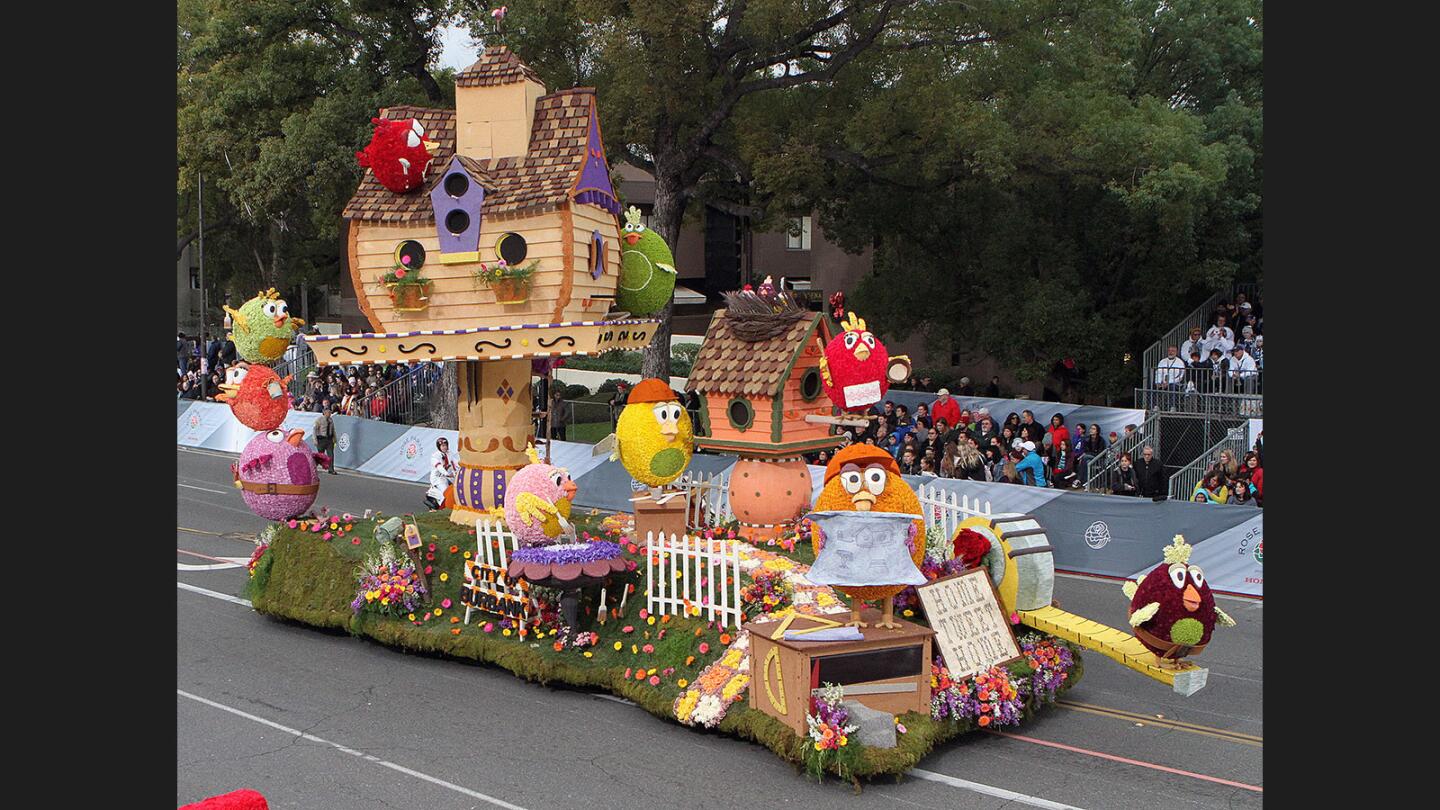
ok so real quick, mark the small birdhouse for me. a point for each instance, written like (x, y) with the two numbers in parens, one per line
(757, 393)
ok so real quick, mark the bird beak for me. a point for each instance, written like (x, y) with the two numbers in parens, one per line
(864, 500)
(632, 238)
(1191, 598)
(670, 431)
(295, 437)
(570, 489)
(280, 319)
(862, 352)
(228, 392)
(431, 147)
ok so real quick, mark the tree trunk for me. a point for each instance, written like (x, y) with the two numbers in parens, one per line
(443, 413)
(665, 219)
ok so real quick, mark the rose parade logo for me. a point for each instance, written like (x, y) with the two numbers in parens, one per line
(343, 442)
(194, 420)
(1097, 536)
(412, 449)
(1260, 552)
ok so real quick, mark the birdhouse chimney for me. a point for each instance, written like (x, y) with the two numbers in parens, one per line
(495, 105)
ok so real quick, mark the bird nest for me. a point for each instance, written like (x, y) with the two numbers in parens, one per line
(753, 318)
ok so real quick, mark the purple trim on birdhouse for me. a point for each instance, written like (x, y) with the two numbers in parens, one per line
(471, 202)
(594, 186)
(500, 476)
(599, 199)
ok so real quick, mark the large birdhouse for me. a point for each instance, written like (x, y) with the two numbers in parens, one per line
(507, 249)
(758, 379)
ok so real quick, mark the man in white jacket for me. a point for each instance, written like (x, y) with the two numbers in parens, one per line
(1168, 378)
(1243, 372)
(1220, 336)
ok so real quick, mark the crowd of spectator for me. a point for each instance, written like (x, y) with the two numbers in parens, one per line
(1218, 358)
(1231, 481)
(946, 440)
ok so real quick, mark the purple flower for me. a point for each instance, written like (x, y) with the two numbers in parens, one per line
(569, 553)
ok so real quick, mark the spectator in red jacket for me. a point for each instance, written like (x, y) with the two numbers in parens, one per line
(1058, 431)
(945, 408)
(1257, 476)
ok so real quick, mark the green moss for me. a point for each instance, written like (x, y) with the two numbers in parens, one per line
(1187, 631)
(307, 579)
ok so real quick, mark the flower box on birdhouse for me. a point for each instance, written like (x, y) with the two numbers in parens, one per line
(411, 297)
(511, 284)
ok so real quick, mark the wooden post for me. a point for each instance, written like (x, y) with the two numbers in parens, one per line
(493, 402)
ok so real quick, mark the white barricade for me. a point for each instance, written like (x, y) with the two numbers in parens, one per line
(690, 576)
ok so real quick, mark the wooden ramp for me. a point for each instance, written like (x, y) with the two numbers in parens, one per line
(1187, 679)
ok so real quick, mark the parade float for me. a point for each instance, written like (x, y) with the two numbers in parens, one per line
(753, 621)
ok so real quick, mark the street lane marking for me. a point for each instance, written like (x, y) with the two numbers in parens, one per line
(209, 567)
(213, 594)
(989, 790)
(203, 489)
(474, 794)
(1126, 760)
(1151, 720)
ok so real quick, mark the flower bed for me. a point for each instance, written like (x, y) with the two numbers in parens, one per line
(310, 572)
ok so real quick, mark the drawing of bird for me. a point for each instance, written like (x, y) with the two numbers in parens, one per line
(647, 268)
(538, 501)
(1172, 609)
(856, 369)
(263, 327)
(654, 438)
(256, 395)
(398, 154)
(865, 478)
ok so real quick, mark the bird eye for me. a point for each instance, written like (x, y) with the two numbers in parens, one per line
(1197, 575)
(628, 228)
(412, 139)
(415, 126)
(282, 308)
(875, 480)
(276, 436)
(675, 412)
(270, 308)
(662, 413)
(558, 478)
(1177, 575)
(869, 339)
(639, 228)
(850, 338)
(851, 481)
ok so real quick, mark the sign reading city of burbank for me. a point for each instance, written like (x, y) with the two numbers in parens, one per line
(970, 627)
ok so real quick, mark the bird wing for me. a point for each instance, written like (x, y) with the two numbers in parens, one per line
(1223, 618)
(1144, 614)
(825, 371)
(532, 508)
(1129, 589)
(667, 268)
(239, 320)
(610, 444)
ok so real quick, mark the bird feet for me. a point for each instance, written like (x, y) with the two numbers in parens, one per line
(888, 625)
(855, 619)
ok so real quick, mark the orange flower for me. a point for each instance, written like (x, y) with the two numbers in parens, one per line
(725, 638)
(698, 631)
(984, 719)
(689, 660)
(455, 631)
(558, 646)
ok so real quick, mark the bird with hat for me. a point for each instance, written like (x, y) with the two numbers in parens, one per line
(654, 437)
(864, 478)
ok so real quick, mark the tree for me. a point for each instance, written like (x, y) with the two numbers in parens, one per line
(673, 73)
(273, 99)
(1062, 179)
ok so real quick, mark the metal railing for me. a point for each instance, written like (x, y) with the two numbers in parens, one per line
(405, 400)
(1221, 380)
(1215, 404)
(1102, 467)
(1200, 316)
(1183, 480)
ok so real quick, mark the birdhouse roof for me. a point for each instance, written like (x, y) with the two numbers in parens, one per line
(540, 181)
(496, 65)
(728, 365)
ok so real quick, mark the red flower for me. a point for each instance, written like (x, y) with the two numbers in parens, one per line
(399, 272)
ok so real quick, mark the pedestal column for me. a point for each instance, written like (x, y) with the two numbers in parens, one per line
(493, 404)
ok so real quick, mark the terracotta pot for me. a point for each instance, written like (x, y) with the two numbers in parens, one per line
(511, 290)
(410, 297)
(766, 493)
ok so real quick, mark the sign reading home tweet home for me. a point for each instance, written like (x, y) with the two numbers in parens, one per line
(970, 626)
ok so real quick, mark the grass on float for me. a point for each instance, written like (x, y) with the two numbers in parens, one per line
(305, 578)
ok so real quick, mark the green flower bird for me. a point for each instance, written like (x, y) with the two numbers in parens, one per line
(263, 327)
(647, 268)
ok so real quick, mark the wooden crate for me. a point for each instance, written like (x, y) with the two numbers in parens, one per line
(887, 670)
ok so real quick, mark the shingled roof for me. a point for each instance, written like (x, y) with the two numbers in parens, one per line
(728, 365)
(497, 65)
(540, 181)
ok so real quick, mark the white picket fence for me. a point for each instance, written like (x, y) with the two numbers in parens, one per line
(948, 509)
(708, 502)
(686, 573)
(494, 544)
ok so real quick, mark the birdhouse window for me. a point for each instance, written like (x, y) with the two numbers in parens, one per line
(741, 413)
(457, 184)
(457, 222)
(410, 254)
(810, 384)
(597, 254)
(512, 248)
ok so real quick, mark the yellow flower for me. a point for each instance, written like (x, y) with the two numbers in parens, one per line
(634, 649)
(618, 645)
(444, 577)
(438, 611)
(909, 613)
(650, 620)
(682, 683)
(819, 747)
(589, 654)
(506, 631)
(412, 617)
(467, 555)
(844, 739)
(686, 704)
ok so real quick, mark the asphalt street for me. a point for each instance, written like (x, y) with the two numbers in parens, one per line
(319, 720)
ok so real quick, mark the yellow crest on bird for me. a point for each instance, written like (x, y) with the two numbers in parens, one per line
(1178, 551)
(853, 323)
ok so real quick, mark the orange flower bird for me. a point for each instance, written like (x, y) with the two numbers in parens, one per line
(865, 478)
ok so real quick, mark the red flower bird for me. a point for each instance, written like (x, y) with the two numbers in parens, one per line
(398, 154)
(857, 370)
